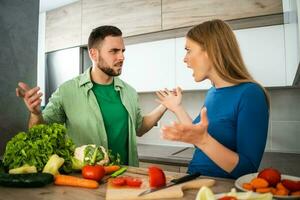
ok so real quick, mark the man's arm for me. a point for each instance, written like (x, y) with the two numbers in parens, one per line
(32, 99)
(151, 119)
(35, 119)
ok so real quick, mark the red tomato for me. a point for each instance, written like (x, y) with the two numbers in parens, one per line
(157, 177)
(228, 198)
(95, 172)
(119, 181)
(133, 182)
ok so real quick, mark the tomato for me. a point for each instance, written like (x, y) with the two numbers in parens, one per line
(119, 181)
(228, 198)
(95, 172)
(157, 177)
(133, 182)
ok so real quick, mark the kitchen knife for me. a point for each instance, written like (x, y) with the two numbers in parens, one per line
(172, 183)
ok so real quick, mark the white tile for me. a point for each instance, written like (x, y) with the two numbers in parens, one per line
(285, 136)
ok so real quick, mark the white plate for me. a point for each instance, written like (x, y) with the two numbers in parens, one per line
(247, 178)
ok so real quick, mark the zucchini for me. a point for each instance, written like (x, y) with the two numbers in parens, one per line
(26, 180)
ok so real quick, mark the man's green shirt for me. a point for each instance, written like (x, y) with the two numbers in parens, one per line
(115, 117)
(74, 103)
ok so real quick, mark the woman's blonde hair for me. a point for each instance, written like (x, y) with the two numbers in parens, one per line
(219, 41)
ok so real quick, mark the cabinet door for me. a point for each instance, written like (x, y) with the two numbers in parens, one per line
(150, 66)
(63, 27)
(178, 13)
(263, 51)
(184, 75)
(131, 16)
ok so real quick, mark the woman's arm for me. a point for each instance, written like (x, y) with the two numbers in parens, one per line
(172, 101)
(198, 136)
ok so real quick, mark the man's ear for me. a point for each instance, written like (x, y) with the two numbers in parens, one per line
(93, 54)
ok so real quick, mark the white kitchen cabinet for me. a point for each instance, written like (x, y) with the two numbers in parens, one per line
(184, 75)
(263, 50)
(150, 66)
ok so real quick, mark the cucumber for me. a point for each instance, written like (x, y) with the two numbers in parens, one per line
(2, 168)
(26, 180)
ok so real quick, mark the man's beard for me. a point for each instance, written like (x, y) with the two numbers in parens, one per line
(102, 65)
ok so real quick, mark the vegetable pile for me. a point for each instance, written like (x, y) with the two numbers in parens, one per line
(35, 147)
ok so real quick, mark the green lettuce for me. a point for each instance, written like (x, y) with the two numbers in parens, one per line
(37, 145)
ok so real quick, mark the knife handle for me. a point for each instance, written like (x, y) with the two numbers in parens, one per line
(185, 178)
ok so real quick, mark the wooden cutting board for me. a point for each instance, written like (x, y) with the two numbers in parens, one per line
(124, 192)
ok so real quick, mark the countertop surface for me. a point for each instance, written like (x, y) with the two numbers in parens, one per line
(286, 163)
(51, 191)
(169, 155)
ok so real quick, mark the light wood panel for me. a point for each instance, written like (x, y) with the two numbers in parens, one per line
(63, 27)
(178, 13)
(133, 17)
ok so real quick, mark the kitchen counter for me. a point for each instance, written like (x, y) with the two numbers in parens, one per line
(168, 155)
(51, 191)
(286, 163)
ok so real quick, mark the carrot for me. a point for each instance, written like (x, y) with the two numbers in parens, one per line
(280, 186)
(111, 169)
(75, 181)
(282, 192)
(264, 190)
(259, 183)
(297, 193)
(247, 186)
(273, 191)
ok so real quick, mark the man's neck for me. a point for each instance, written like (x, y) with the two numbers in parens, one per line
(98, 76)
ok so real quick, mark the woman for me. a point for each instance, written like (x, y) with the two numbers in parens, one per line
(231, 130)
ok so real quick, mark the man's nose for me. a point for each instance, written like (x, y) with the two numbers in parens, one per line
(121, 56)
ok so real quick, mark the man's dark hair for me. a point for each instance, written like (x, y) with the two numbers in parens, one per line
(98, 35)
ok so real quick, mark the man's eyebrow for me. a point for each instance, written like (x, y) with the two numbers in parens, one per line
(116, 49)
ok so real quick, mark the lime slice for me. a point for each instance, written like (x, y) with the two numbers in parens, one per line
(205, 194)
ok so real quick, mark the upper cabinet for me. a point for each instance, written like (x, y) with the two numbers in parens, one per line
(63, 27)
(178, 13)
(263, 50)
(150, 66)
(131, 16)
(71, 25)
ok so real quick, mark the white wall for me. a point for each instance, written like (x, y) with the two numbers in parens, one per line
(41, 55)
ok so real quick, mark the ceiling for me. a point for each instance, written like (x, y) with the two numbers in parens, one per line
(46, 5)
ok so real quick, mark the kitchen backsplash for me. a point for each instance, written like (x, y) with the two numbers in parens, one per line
(284, 125)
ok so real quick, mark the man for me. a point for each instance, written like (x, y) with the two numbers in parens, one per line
(97, 107)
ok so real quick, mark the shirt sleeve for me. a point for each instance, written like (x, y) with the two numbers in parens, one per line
(139, 116)
(252, 129)
(54, 112)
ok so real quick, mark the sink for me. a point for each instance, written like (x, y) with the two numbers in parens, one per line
(186, 152)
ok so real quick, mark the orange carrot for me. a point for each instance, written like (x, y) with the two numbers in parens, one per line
(75, 181)
(259, 183)
(297, 193)
(273, 191)
(264, 190)
(280, 186)
(111, 169)
(247, 186)
(282, 192)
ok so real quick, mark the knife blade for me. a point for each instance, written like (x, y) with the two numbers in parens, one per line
(172, 183)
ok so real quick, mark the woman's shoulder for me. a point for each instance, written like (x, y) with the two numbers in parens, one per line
(251, 88)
